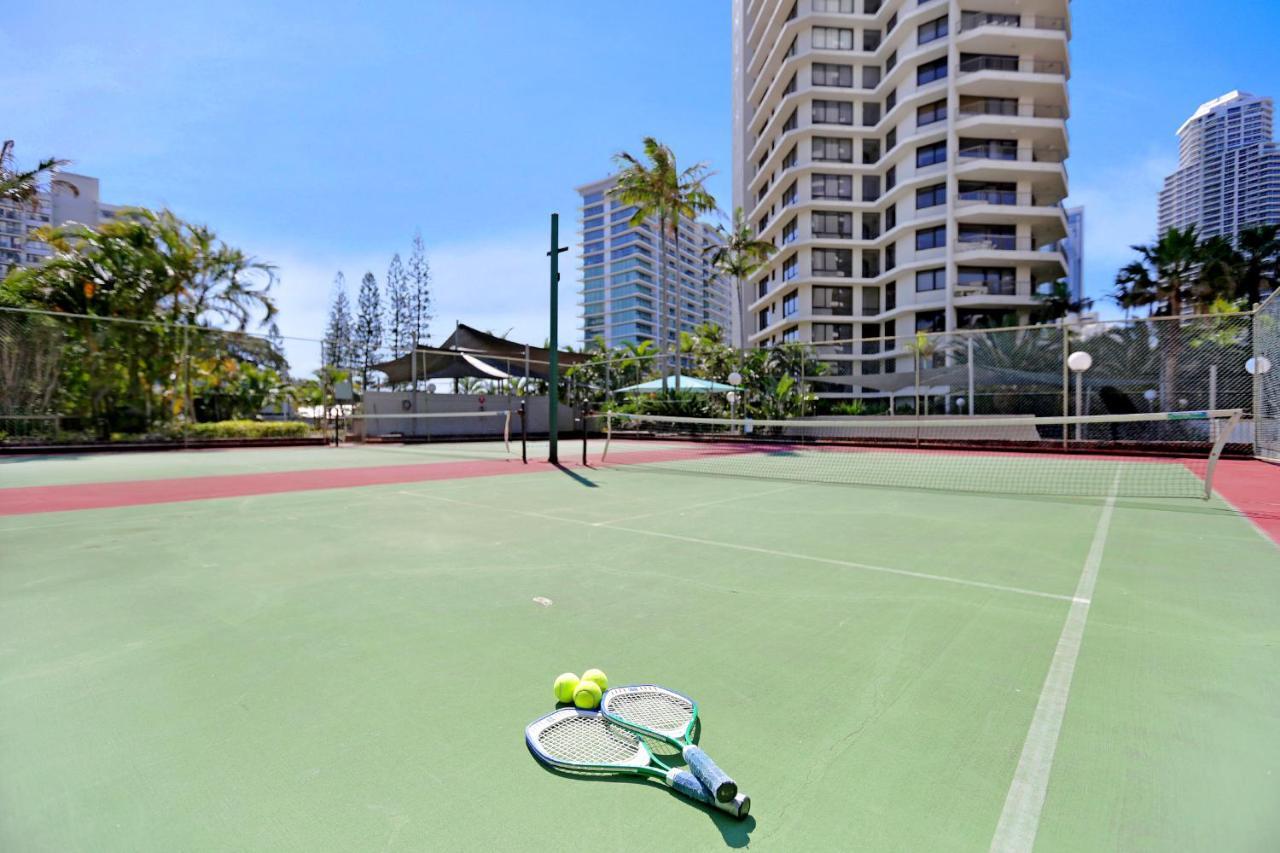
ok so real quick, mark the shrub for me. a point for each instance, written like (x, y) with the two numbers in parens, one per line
(249, 429)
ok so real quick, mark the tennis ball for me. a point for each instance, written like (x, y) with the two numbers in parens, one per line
(565, 685)
(598, 676)
(587, 695)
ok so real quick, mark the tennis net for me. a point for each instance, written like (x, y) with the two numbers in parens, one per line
(1168, 454)
(469, 435)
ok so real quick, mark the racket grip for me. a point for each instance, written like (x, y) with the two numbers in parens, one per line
(716, 780)
(686, 783)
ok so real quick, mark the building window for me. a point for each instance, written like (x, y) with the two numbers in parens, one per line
(788, 196)
(832, 186)
(592, 198)
(790, 268)
(790, 304)
(833, 262)
(791, 335)
(828, 149)
(832, 112)
(762, 320)
(928, 72)
(837, 336)
(998, 281)
(792, 122)
(789, 160)
(789, 232)
(870, 113)
(870, 187)
(931, 196)
(989, 149)
(870, 40)
(870, 301)
(932, 30)
(833, 301)
(871, 151)
(927, 280)
(832, 38)
(840, 6)
(832, 224)
(931, 238)
(830, 74)
(870, 76)
(929, 155)
(930, 113)
(891, 217)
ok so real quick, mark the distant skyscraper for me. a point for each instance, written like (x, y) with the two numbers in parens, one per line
(622, 299)
(1073, 248)
(1228, 174)
(70, 198)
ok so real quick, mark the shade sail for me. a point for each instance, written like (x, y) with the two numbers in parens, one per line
(687, 383)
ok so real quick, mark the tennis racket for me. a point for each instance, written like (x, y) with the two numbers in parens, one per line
(668, 716)
(572, 739)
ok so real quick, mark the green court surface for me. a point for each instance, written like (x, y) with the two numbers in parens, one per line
(879, 668)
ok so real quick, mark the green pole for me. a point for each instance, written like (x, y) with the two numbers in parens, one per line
(553, 378)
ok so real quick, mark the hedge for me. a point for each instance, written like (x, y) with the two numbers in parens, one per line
(249, 429)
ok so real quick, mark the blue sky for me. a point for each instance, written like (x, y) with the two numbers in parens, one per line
(319, 135)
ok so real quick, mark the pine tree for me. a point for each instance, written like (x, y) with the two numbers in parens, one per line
(368, 331)
(419, 291)
(399, 305)
(337, 337)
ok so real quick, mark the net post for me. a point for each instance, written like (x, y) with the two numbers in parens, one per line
(1223, 434)
(524, 434)
(584, 435)
(506, 431)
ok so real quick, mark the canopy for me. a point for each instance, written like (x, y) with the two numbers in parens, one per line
(687, 383)
(471, 353)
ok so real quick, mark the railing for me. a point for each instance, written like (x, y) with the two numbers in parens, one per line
(973, 20)
(994, 151)
(996, 242)
(1007, 197)
(1000, 107)
(1008, 64)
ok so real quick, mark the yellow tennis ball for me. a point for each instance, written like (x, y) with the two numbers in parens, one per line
(598, 676)
(566, 684)
(587, 695)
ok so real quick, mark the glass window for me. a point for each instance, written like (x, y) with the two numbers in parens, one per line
(870, 39)
(788, 196)
(622, 213)
(928, 155)
(832, 186)
(790, 268)
(790, 304)
(932, 30)
(870, 301)
(841, 6)
(791, 335)
(832, 38)
(833, 301)
(870, 113)
(870, 76)
(827, 223)
(594, 210)
(789, 232)
(930, 113)
(832, 112)
(931, 196)
(826, 333)
(930, 71)
(791, 123)
(931, 280)
(931, 238)
(789, 160)
(999, 281)
(826, 148)
(870, 150)
(592, 198)
(829, 74)
(762, 320)
(870, 187)
(833, 262)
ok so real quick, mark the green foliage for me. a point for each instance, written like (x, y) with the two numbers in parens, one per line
(249, 429)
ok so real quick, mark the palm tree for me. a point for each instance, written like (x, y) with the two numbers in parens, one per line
(22, 187)
(1057, 303)
(1259, 249)
(661, 190)
(740, 254)
(1218, 278)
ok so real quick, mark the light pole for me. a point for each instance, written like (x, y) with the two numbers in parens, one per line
(1078, 362)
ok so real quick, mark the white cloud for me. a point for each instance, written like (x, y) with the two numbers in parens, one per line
(499, 285)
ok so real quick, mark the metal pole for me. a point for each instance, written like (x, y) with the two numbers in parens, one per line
(969, 345)
(1066, 380)
(553, 377)
(1079, 404)
(1213, 386)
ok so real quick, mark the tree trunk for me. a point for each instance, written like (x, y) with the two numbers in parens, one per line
(662, 300)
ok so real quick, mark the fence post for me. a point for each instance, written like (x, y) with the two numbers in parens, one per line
(1066, 379)
(969, 347)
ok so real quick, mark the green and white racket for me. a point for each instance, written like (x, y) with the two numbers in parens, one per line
(668, 716)
(572, 739)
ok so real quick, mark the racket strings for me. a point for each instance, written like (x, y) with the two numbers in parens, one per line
(588, 740)
(655, 710)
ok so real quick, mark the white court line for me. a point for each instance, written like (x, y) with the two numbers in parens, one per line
(1020, 819)
(846, 564)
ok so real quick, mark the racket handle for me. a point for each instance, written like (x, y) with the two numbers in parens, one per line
(716, 780)
(686, 783)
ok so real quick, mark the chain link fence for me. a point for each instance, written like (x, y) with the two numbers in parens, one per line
(1265, 376)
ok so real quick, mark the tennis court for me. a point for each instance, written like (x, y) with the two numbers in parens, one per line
(338, 649)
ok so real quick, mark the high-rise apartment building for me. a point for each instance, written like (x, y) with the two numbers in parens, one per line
(1073, 250)
(1228, 175)
(906, 158)
(622, 296)
(70, 198)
